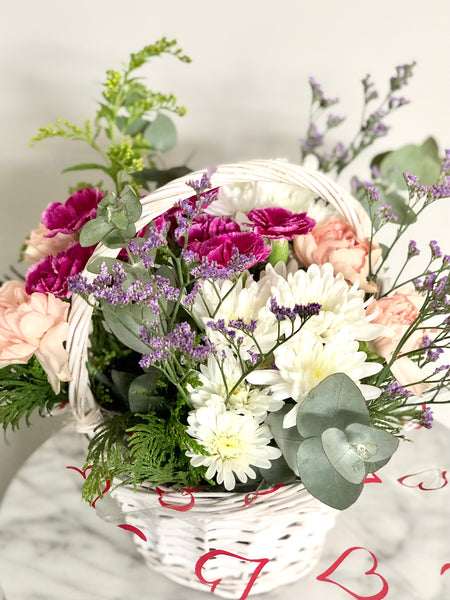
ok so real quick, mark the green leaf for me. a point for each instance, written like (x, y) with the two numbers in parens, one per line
(119, 239)
(136, 126)
(321, 479)
(161, 134)
(141, 394)
(86, 166)
(335, 402)
(288, 440)
(400, 208)
(122, 381)
(125, 322)
(279, 472)
(95, 265)
(132, 205)
(342, 456)
(422, 161)
(371, 444)
(94, 231)
(119, 217)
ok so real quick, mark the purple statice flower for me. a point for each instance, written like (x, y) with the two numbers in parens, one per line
(434, 351)
(313, 141)
(205, 227)
(221, 249)
(436, 252)
(427, 417)
(394, 390)
(189, 298)
(372, 191)
(254, 357)
(181, 341)
(439, 190)
(385, 214)
(70, 217)
(199, 186)
(403, 73)
(278, 223)
(413, 250)
(334, 121)
(50, 275)
(304, 311)
(396, 102)
(319, 96)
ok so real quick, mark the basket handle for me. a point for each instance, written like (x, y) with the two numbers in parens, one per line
(86, 411)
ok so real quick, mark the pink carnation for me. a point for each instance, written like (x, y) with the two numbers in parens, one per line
(39, 245)
(70, 217)
(50, 274)
(221, 248)
(35, 324)
(396, 313)
(205, 227)
(335, 242)
(279, 223)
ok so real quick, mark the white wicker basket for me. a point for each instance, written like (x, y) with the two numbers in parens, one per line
(287, 526)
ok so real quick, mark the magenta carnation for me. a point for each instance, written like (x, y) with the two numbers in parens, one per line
(70, 217)
(222, 248)
(205, 227)
(277, 222)
(50, 274)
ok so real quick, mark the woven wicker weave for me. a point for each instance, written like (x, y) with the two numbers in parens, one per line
(287, 526)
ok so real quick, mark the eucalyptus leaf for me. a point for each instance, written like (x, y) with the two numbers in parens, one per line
(95, 265)
(422, 161)
(321, 479)
(132, 205)
(370, 443)
(119, 239)
(119, 218)
(161, 134)
(136, 126)
(334, 402)
(125, 322)
(94, 231)
(122, 380)
(400, 208)
(288, 440)
(343, 456)
(279, 472)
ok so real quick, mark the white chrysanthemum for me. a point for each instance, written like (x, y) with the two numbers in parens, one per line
(245, 399)
(304, 361)
(342, 307)
(237, 301)
(234, 443)
(235, 201)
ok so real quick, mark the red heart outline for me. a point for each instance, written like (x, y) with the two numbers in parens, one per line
(372, 478)
(82, 473)
(420, 485)
(204, 559)
(134, 530)
(177, 507)
(445, 567)
(372, 571)
(251, 497)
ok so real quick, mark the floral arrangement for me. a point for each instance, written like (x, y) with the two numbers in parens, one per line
(247, 336)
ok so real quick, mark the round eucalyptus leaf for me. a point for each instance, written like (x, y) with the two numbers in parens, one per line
(375, 443)
(343, 456)
(321, 479)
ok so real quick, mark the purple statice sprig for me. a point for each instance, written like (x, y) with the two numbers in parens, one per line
(174, 350)
(385, 214)
(303, 311)
(373, 125)
(204, 268)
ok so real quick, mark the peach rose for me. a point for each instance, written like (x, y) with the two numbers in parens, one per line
(335, 242)
(38, 246)
(396, 313)
(35, 324)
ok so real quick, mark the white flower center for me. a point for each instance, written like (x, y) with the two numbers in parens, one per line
(226, 446)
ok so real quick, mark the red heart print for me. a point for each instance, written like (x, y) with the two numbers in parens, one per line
(82, 473)
(178, 507)
(445, 568)
(105, 489)
(372, 571)
(417, 479)
(134, 530)
(251, 497)
(262, 562)
(372, 478)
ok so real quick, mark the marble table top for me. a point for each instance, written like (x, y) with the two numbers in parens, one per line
(393, 543)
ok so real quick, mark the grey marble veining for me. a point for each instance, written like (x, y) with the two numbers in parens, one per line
(54, 547)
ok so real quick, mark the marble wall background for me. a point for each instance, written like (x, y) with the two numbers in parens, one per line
(246, 89)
